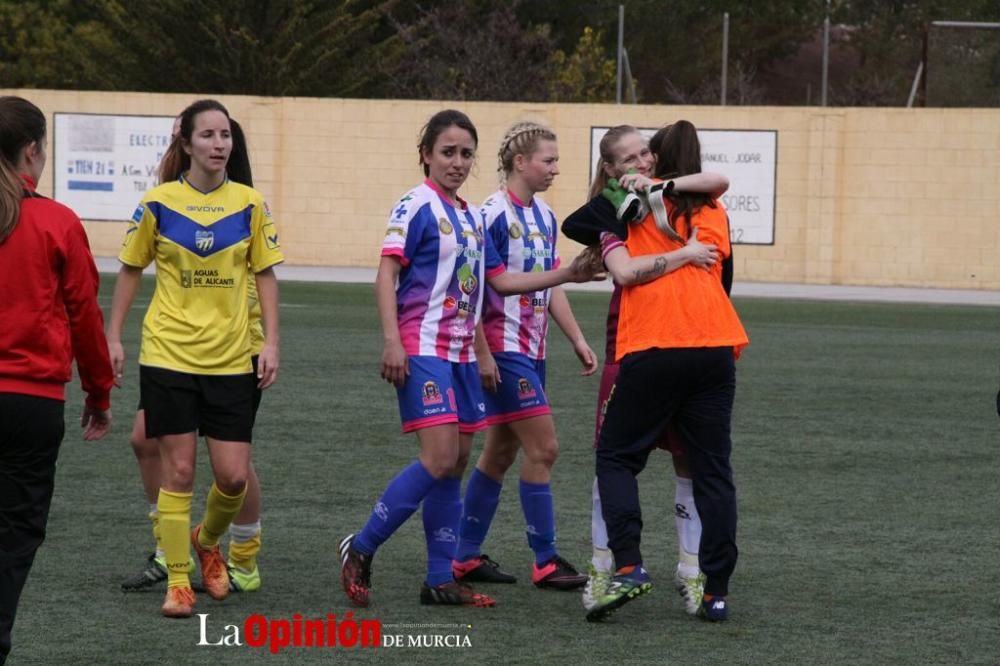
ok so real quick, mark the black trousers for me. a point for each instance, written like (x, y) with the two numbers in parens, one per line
(31, 430)
(696, 388)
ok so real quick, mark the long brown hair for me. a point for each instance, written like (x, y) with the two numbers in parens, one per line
(175, 161)
(21, 124)
(607, 156)
(679, 154)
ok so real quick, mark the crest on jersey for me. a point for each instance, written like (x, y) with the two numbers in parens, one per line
(467, 281)
(444, 226)
(431, 394)
(204, 240)
(515, 230)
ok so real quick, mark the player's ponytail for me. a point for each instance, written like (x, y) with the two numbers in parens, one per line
(238, 167)
(21, 124)
(678, 153)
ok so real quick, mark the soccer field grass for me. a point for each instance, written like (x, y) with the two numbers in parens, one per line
(865, 448)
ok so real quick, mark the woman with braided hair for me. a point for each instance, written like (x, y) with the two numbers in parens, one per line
(510, 349)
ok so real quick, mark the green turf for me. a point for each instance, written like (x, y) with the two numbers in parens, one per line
(865, 442)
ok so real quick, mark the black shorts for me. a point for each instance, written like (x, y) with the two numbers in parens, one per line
(257, 392)
(216, 406)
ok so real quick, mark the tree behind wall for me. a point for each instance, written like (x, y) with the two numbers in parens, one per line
(247, 47)
(472, 50)
(51, 44)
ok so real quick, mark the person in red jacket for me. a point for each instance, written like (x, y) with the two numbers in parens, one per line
(48, 306)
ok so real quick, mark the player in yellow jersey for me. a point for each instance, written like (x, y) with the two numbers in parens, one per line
(209, 234)
(245, 531)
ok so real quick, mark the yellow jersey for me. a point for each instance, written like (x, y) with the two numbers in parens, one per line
(207, 246)
(256, 327)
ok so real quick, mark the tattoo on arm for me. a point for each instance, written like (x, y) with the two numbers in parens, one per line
(658, 269)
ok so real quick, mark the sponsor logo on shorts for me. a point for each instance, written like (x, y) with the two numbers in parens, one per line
(431, 394)
(525, 389)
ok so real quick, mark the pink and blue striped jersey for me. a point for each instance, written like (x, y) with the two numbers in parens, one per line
(444, 255)
(524, 238)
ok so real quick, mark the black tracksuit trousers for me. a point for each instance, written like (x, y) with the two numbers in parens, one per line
(31, 430)
(695, 388)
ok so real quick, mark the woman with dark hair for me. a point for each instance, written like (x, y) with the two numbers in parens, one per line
(209, 233)
(50, 315)
(626, 156)
(245, 530)
(678, 337)
(429, 293)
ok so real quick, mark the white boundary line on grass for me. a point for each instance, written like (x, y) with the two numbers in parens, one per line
(741, 289)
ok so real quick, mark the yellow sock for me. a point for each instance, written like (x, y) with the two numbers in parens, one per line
(154, 518)
(244, 545)
(220, 509)
(175, 535)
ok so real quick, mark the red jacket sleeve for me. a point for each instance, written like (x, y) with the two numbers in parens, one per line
(79, 283)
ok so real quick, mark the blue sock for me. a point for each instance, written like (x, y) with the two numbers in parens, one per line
(398, 502)
(482, 496)
(442, 513)
(539, 514)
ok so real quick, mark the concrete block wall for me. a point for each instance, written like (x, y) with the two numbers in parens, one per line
(865, 196)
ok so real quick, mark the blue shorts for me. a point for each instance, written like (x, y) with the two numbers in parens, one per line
(438, 392)
(521, 392)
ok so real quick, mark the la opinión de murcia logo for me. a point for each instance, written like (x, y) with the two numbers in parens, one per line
(277, 634)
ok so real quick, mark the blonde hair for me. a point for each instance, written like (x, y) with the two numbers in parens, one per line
(607, 146)
(521, 139)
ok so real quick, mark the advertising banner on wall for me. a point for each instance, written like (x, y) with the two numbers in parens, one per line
(749, 159)
(103, 163)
